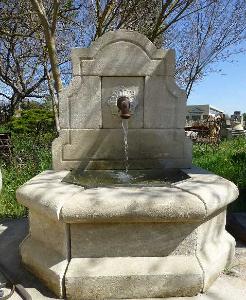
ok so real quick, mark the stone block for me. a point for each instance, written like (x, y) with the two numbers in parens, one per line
(131, 60)
(74, 148)
(132, 277)
(164, 103)
(45, 263)
(107, 144)
(133, 204)
(136, 56)
(80, 104)
(215, 247)
(215, 191)
(45, 193)
(131, 239)
(49, 232)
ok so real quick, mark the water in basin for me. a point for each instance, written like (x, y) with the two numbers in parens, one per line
(109, 178)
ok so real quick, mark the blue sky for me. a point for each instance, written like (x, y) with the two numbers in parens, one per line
(226, 92)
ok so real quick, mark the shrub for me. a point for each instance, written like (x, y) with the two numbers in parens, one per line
(227, 159)
(36, 121)
(30, 157)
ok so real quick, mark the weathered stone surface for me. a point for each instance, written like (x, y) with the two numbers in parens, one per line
(133, 277)
(135, 54)
(133, 204)
(215, 247)
(186, 200)
(108, 229)
(76, 146)
(215, 191)
(45, 193)
(49, 232)
(48, 265)
(164, 103)
(80, 103)
(129, 239)
(140, 67)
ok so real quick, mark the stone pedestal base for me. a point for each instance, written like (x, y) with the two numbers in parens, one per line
(127, 242)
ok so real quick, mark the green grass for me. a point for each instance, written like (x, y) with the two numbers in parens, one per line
(227, 160)
(31, 155)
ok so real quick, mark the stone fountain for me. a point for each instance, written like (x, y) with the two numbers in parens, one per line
(127, 240)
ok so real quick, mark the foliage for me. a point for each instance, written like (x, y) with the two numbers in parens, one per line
(35, 121)
(30, 156)
(228, 159)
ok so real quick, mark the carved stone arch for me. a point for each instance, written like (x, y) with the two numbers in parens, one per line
(128, 36)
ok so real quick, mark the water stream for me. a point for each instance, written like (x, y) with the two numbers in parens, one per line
(124, 124)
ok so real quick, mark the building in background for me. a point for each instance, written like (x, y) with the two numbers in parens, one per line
(201, 112)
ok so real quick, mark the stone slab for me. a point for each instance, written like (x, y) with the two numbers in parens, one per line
(75, 146)
(49, 233)
(202, 195)
(164, 103)
(45, 263)
(45, 193)
(131, 239)
(138, 55)
(133, 204)
(80, 103)
(215, 247)
(120, 277)
(214, 191)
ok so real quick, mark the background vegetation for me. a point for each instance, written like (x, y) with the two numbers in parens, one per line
(31, 137)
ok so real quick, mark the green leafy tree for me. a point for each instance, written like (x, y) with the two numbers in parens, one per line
(35, 121)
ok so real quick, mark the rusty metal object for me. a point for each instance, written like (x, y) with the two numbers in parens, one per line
(123, 104)
(205, 131)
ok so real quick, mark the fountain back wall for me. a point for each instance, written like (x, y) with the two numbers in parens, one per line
(122, 63)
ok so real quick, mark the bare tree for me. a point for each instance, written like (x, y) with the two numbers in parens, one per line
(21, 71)
(202, 32)
(26, 59)
(52, 16)
(49, 25)
(208, 36)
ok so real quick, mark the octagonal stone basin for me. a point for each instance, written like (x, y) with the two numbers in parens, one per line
(127, 241)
